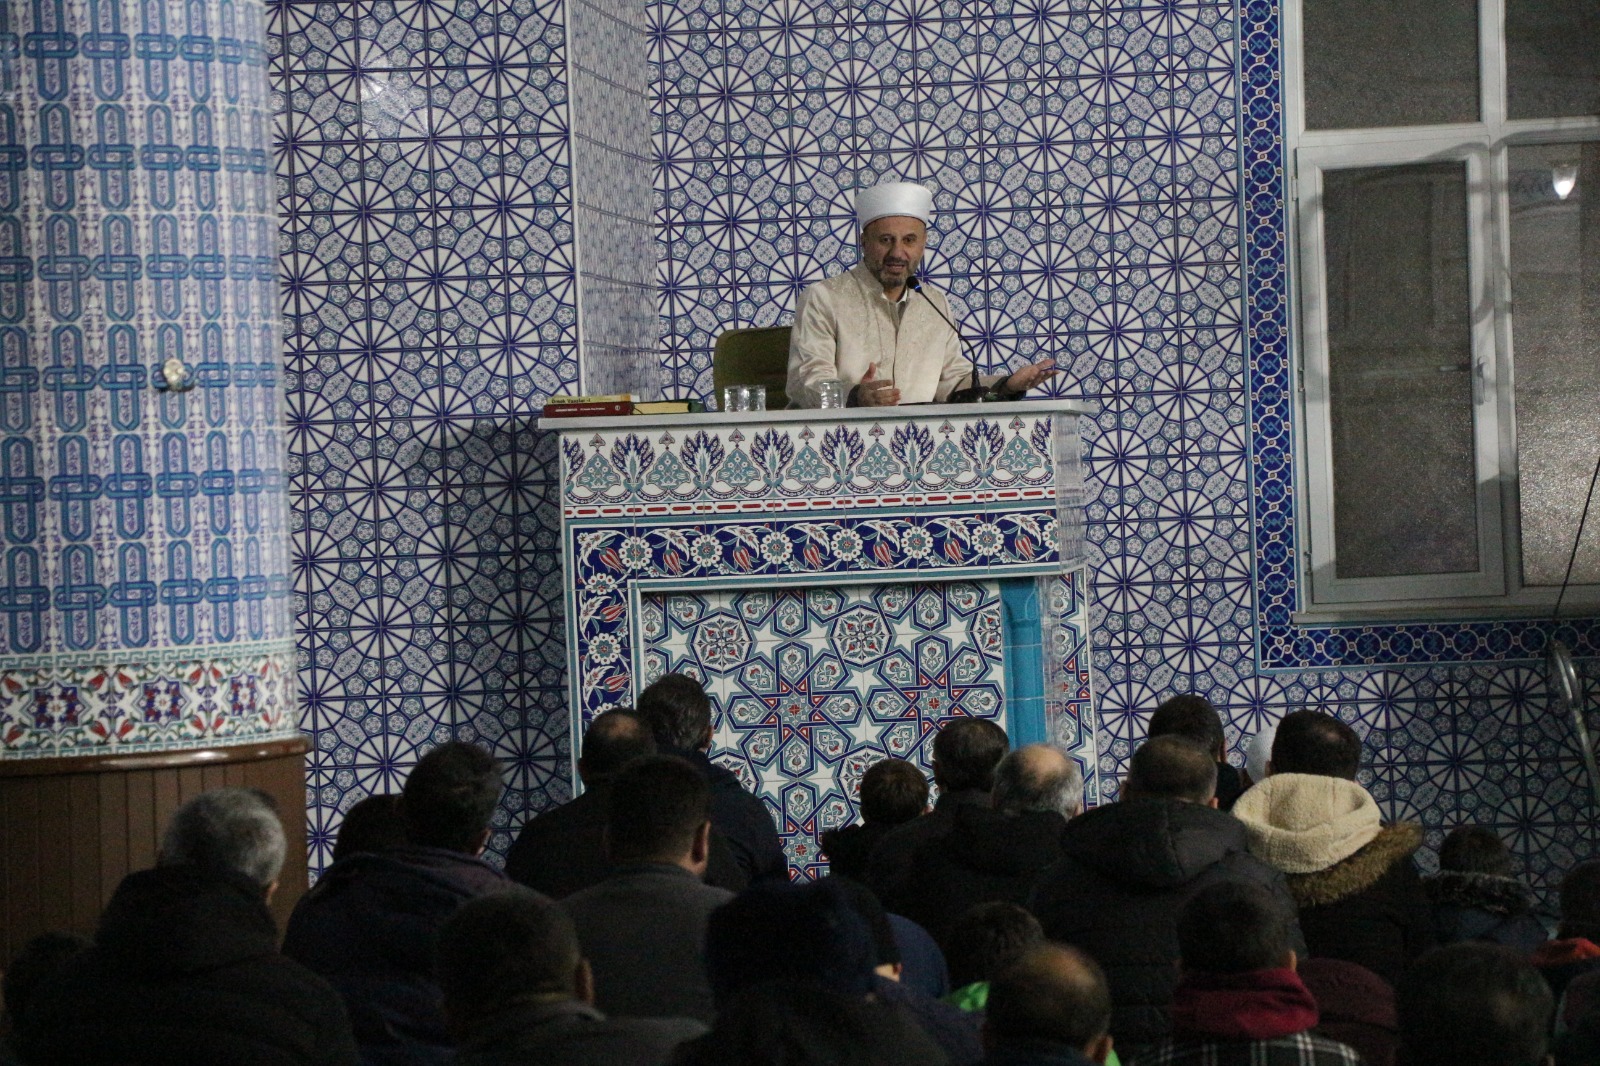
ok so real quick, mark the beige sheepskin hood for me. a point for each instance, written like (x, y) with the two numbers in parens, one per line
(1303, 823)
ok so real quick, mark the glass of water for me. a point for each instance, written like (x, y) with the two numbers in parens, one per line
(758, 397)
(735, 398)
(830, 393)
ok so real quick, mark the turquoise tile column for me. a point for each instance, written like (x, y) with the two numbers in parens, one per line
(1024, 657)
(145, 604)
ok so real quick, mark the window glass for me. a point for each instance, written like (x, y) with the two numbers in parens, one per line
(1390, 62)
(1555, 289)
(1552, 58)
(1400, 370)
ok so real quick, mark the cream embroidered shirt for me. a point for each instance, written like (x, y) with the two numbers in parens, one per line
(845, 324)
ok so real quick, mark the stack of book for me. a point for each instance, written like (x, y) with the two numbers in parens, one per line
(621, 403)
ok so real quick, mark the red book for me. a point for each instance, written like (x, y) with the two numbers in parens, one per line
(587, 410)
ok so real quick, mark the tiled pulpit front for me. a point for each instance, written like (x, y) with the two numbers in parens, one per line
(842, 584)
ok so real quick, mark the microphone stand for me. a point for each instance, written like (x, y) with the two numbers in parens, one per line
(975, 393)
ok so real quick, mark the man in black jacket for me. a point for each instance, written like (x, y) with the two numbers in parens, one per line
(1475, 1005)
(1051, 1007)
(965, 753)
(994, 853)
(679, 714)
(185, 969)
(1127, 869)
(517, 990)
(893, 792)
(370, 924)
(562, 851)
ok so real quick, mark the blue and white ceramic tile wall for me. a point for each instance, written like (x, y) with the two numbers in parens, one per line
(144, 603)
(1109, 182)
(424, 168)
(616, 225)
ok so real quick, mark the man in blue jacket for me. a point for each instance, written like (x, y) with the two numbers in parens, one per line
(371, 923)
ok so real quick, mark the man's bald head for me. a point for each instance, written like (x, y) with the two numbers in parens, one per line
(1172, 767)
(1053, 994)
(1037, 777)
(614, 739)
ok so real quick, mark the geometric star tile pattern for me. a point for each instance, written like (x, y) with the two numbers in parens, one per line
(423, 173)
(810, 687)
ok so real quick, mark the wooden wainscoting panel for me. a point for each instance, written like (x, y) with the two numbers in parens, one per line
(72, 828)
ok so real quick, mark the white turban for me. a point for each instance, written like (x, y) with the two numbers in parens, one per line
(893, 198)
(1259, 752)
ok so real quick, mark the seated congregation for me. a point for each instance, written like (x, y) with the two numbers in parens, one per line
(1207, 917)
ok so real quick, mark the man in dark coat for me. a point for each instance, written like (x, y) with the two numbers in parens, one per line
(679, 715)
(519, 993)
(371, 923)
(185, 969)
(40, 960)
(1575, 951)
(1127, 868)
(1474, 1005)
(643, 928)
(965, 753)
(893, 792)
(1353, 877)
(955, 1031)
(563, 850)
(1195, 717)
(792, 967)
(994, 853)
(1476, 894)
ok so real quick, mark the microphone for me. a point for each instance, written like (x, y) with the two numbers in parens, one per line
(975, 393)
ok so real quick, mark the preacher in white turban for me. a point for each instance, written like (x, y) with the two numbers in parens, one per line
(886, 336)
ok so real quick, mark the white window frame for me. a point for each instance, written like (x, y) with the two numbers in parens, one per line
(1496, 587)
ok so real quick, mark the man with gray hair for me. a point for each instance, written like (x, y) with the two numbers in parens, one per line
(185, 969)
(994, 852)
(1038, 778)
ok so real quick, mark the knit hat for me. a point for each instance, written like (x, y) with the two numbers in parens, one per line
(893, 198)
(1303, 823)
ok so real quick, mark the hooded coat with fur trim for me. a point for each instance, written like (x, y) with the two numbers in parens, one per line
(1126, 870)
(1472, 906)
(1358, 891)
